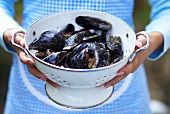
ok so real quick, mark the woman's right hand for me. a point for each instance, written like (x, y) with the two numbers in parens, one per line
(19, 39)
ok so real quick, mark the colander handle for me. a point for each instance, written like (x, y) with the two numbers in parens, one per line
(142, 48)
(13, 42)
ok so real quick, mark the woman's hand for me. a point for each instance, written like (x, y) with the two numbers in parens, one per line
(156, 41)
(19, 39)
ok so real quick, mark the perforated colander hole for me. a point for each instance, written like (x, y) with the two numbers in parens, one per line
(64, 81)
(53, 77)
(104, 78)
(68, 85)
(59, 82)
(58, 78)
(127, 35)
(97, 83)
(47, 75)
(34, 33)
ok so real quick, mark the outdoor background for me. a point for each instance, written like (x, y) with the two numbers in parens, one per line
(157, 71)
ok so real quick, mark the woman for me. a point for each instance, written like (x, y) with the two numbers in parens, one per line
(26, 92)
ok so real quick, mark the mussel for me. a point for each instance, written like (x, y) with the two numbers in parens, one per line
(102, 57)
(93, 23)
(51, 39)
(67, 29)
(79, 60)
(104, 35)
(43, 54)
(114, 44)
(55, 58)
(88, 55)
(79, 37)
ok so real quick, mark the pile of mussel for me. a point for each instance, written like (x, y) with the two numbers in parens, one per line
(91, 47)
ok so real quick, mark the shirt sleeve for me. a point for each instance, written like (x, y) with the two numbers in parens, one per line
(7, 21)
(160, 17)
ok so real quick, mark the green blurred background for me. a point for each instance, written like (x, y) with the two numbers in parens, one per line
(157, 71)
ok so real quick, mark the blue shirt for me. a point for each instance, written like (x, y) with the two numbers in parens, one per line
(26, 94)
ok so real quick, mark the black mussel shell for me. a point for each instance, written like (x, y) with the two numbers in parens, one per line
(102, 57)
(80, 60)
(93, 23)
(114, 44)
(104, 35)
(90, 36)
(88, 55)
(73, 52)
(76, 39)
(115, 57)
(43, 54)
(48, 40)
(92, 46)
(55, 58)
(67, 29)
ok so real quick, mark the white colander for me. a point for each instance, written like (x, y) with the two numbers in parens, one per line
(80, 78)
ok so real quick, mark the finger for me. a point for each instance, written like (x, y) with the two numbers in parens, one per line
(139, 44)
(21, 34)
(34, 71)
(30, 64)
(114, 81)
(52, 83)
(22, 43)
(128, 68)
(140, 41)
(18, 39)
(24, 59)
